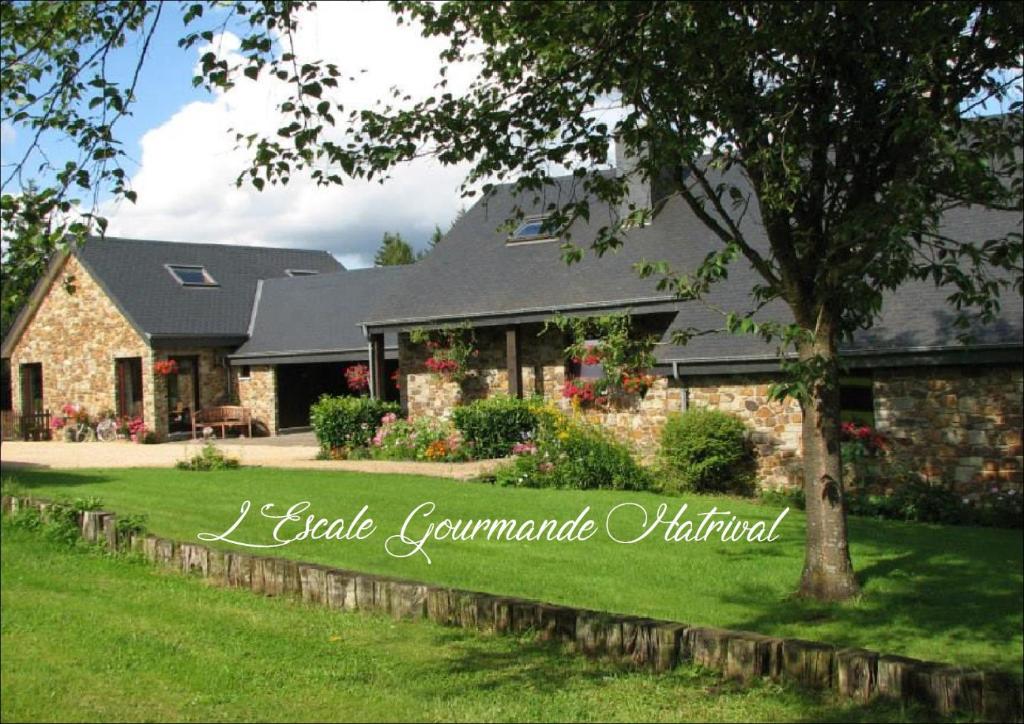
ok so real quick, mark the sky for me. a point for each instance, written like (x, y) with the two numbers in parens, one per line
(183, 164)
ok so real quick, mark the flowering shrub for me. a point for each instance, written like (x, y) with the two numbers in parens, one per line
(585, 392)
(357, 377)
(70, 410)
(637, 383)
(863, 439)
(424, 439)
(624, 356)
(452, 351)
(165, 367)
(137, 430)
(570, 454)
(57, 424)
(344, 424)
(524, 448)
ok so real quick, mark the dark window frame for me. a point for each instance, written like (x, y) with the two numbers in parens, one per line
(173, 270)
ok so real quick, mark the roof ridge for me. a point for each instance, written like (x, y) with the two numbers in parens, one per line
(207, 243)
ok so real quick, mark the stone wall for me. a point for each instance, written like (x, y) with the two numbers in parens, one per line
(213, 382)
(775, 428)
(259, 394)
(76, 337)
(959, 424)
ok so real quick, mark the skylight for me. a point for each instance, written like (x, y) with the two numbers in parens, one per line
(301, 272)
(532, 229)
(190, 275)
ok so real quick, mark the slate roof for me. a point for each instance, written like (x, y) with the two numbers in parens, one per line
(311, 318)
(475, 274)
(134, 274)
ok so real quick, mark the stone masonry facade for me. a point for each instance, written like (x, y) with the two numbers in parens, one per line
(954, 424)
(78, 336)
(258, 392)
(959, 424)
(775, 428)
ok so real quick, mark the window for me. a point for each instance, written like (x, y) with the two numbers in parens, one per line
(301, 272)
(244, 372)
(188, 275)
(532, 229)
(857, 400)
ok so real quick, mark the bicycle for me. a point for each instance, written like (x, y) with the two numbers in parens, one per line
(104, 431)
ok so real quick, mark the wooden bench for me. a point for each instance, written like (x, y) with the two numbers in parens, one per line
(223, 416)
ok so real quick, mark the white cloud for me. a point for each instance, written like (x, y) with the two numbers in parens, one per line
(188, 165)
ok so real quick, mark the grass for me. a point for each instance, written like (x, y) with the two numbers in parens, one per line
(94, 638)
(941, 593)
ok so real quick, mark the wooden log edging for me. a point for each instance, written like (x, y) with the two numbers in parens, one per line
(635, 641)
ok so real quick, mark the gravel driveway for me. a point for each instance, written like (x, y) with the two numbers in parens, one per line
(280, 452)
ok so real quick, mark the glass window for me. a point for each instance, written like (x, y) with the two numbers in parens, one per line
(301, 272)
(532, 230)
(191, 276)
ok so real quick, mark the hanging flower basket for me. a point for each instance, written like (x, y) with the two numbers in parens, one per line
(452, 351)
(165, 367)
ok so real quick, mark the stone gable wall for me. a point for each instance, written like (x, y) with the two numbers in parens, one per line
(77, 337)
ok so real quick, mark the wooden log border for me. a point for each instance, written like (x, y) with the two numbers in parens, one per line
(633, 641)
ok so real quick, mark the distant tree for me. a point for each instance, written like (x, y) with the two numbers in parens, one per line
(28, 248)
(394, 251)
(435, 238)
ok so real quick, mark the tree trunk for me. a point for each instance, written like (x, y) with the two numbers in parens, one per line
(828, 572)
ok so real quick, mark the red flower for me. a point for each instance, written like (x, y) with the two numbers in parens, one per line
(165, 367)
(357, 377)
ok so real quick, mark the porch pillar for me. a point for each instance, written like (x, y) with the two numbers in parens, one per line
(513, 354)
(377, 366)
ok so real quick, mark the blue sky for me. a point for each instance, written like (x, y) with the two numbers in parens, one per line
(181, 160)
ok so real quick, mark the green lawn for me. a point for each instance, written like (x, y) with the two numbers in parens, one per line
(91, 638)
(943, 593)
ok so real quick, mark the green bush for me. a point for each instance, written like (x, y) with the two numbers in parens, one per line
(210, 458)
(492, 426)
(345, 423)
(707, 451)
(569, 454)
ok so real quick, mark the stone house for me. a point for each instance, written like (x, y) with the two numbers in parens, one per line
(105, 316)
(952, 411)
(284, 336)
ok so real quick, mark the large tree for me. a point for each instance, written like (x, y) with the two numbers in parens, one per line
(849, 125)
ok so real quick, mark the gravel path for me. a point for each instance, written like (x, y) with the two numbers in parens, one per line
(250, 452)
